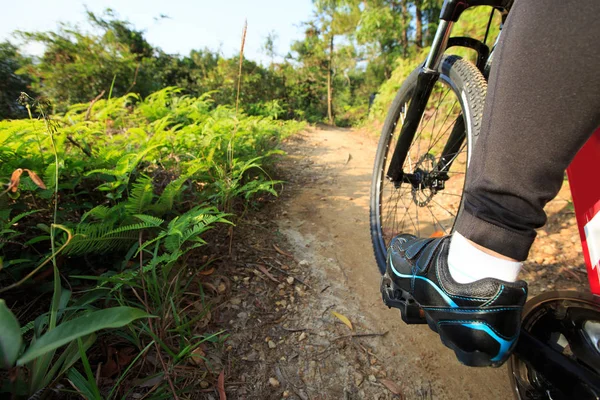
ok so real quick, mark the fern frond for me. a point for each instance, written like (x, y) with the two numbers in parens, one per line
(141, 196)
(97, 239)
(150, 220)
(128, 228)
(98, 212)
(20, 216)
(166, 199)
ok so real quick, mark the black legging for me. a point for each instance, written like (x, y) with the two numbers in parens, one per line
(543, 104)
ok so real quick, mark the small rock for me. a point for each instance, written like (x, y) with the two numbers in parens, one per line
(235, 301)
(290, 280)
(272, 344)
(273, 382)
(312, 369)
(286, 394)
(358, 379)
(303, 336)
(204, 384)
(303, 263)
(372, 378)
(549, 250)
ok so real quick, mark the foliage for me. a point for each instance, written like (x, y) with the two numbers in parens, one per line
(126, 186)
(11, 83)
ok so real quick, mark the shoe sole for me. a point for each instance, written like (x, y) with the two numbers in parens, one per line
(412, 313)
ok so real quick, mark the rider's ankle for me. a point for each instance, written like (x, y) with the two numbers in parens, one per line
(469, 262)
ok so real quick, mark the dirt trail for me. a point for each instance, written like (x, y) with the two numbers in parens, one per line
(325, 219)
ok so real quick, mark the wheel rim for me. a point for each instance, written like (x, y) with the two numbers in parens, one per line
(425, 210)
(552, 319)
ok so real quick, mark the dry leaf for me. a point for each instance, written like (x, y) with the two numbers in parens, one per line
(125, 355)
(196, 358)
(207, 272)
(221, 386)
(210, 286)
(116, 360)
(343, 318)
(267, 273)
(110, 367)
(283, 253)
(15, 178)
(392, 387)
(36, 179)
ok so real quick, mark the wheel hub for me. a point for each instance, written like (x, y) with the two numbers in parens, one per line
(426, 180)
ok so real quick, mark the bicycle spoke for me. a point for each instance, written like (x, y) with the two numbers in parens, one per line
(436, 112)
(444, 208)
(437, 220)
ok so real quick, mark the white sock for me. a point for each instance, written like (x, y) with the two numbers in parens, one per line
(469, 264)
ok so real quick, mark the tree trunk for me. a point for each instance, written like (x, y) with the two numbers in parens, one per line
(406, 20)
(330, 83)
(418, 24)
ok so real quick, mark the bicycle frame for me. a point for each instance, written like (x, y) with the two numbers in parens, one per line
(586, 199)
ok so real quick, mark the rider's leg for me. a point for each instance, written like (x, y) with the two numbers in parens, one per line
(543, 103)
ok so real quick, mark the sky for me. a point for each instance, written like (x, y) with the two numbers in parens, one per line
(192, 24)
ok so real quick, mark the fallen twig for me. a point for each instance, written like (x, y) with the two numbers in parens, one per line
(285, 273)
(573, 274)
(262, 269)
(295, 329)
(361, 335)
(283, 253)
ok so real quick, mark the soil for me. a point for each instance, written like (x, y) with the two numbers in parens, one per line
(308, 255)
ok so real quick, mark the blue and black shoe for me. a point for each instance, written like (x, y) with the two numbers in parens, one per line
(480, 321)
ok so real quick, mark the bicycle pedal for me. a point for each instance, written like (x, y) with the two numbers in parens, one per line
(394, 297)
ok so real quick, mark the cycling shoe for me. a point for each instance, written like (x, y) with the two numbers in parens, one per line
(480, 321)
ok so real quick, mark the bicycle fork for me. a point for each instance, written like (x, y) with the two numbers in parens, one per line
(428, 76)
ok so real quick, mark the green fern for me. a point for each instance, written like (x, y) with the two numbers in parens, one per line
(141, 196)
(150, 220)
(104, 237)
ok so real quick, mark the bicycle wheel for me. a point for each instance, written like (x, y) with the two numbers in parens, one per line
(429, 207)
